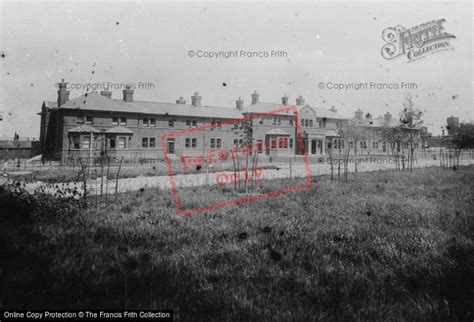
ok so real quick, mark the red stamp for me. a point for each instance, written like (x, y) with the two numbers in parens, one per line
(243, 158)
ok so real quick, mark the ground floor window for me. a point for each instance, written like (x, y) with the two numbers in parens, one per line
(86, 141)
(170, 146)
(76, 142)
(259, 146)
(122, 142)
(194, 143)
(283, 143)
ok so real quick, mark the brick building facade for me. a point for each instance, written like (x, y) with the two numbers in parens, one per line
(95, 124)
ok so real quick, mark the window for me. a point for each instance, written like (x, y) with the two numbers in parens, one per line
(259, 146)
(306, 123)
(361, 144)
(291, 122)
(278, 121)
(320, 124)
(324, 124)
(241, 142)
(152, 143)
(213, 143)
(144, 143)
(145, 122)
(76, 142)
(194, 143)
(80, 120)
(335, 143)
(261, 120)
(89, 120)
(187, 143)
(311, 123)
(273, 143)
(291, 143)
(236, 126)
(115, 121)
(236, 143)
(274, 121)
(86, 141)
(153, 122)
(188, 123)
(170, 123)
(112, 143)
(283, 143)
(302, 122)
(122, 142)
(123, 121)
(218, 143)
(194, 123)
(342, 144)
(352, 145)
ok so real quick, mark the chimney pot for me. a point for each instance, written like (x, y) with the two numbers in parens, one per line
(300, 100)
(284, 100)
(196, 100)
(63, 93)
(255, 98)
(106, 93)
(181, 100)
(239, 104)
(128, 94)
(359, 114)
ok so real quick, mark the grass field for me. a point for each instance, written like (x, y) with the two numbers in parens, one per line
(387, 246)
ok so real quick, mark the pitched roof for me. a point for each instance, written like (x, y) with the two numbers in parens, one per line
(95, 101)
(50, 104)
(120, 130)
(277, 132)
(269, 107)
(84, 129)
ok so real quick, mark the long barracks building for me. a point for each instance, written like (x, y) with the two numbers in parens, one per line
(96, 124)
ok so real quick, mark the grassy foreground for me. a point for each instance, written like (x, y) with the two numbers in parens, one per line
(388, 246)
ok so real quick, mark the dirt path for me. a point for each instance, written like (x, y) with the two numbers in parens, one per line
(278, 171)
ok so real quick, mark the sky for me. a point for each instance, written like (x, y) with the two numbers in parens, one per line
(143, 42)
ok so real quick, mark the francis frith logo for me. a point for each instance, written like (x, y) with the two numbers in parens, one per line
(416, 42)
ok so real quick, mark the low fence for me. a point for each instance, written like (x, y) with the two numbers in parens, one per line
(445, 157)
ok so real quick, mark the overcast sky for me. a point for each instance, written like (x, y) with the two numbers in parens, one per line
(122, 42)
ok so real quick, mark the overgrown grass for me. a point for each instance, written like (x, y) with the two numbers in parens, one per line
(387, 246)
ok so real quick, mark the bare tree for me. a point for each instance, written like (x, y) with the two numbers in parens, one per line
(411, 123)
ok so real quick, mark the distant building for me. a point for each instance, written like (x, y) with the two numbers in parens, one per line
(452, 124)
(18, 148)
(96, 124)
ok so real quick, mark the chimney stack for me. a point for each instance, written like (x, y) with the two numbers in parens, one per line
(63, 93)
(181, 100)
(196, 100)
(333, 109)
(368, 116)
(106, 93)
(284, 100)
(239, 104)
(255, 97)
(359, 115)
(387, 117)
(300, 100)
(128, 94)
